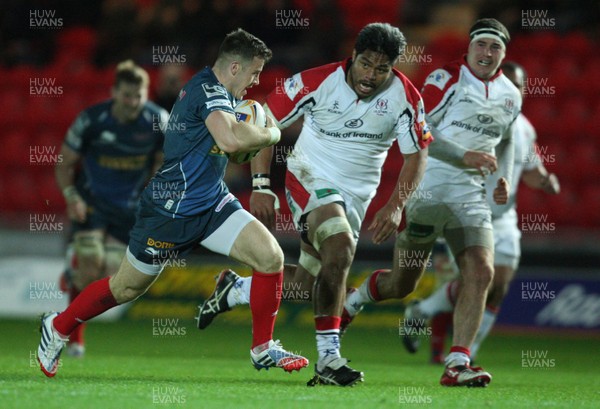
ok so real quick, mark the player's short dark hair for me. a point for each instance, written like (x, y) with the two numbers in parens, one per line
(493, 25)
(127, 71)
(382, 38)
(243, 44)
(512, 67)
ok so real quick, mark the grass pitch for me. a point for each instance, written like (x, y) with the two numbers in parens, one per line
(132, 365)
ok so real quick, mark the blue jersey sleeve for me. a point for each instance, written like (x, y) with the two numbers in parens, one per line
(76, 135)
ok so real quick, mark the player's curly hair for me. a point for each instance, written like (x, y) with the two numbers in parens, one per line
(127, 71)
(243, 44)
(382, 38)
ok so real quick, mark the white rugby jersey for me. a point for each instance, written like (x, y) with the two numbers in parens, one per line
(473, 113)
(526, 158)
(345, 139)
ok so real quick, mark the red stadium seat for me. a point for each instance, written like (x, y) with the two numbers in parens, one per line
(77, 42)
(589, 204)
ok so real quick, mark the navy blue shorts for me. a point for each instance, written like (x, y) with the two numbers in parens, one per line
(157, 237)
(116, 222)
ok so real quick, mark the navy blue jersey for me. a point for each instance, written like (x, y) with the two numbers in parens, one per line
(191, 178)
(117, 158)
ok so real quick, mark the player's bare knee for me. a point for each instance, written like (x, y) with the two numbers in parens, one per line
(479, 278)
(270, 260)
(125, 293)
(89, 248)
(337, 254)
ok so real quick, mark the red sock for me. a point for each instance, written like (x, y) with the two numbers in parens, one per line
(440, 324)
(373, 291)
(461, 350)
(327, 323)
(91, 302)
(77, 334)
(265, 297)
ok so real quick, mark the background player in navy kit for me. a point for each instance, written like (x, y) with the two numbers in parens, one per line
(331, 178)
(109, 153)
(188, 203)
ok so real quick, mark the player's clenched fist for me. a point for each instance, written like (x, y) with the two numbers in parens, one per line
(501, 191)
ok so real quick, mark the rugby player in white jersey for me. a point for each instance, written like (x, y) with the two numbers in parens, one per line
(507, 252)
(470, 107)
(353, 111)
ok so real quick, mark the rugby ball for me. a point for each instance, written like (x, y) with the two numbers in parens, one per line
(251, 112)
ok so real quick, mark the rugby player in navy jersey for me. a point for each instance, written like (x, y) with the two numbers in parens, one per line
(187, 203)
(110, 152)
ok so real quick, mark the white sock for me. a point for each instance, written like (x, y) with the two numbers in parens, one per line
(355, 301)
(487, 322)
(457, 358)
(328, 346)
(240, 292)
(436, 302)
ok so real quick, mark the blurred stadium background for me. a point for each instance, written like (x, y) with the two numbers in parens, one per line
(58, 57)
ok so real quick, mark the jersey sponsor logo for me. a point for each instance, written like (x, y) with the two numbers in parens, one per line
(321, 193)
(216, 151)
(141, 136)
(218, 102)
(335, 108)
(157, 244)
(293, 85)
(438, 78)
(381, 106)
(485, 119)
(476, 129)
(214, 90)
(422, 129)
(123, 162)
(108, 137)
(229, 197)
(351, 134)
(354, 123)
(509, 105)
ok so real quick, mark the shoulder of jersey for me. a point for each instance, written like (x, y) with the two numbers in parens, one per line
(444, 77)
(96, 110)
(309, 80)
(409, 88)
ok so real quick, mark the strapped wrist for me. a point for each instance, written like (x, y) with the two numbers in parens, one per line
(70, 193)
(261, 181)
